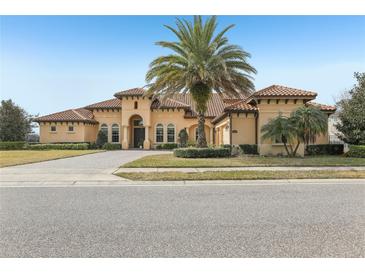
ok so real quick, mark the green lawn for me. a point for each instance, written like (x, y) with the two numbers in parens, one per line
(168, 160)
(241, 175)
(18, 157)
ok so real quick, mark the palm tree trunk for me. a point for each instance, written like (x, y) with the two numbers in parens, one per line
(202, 141)
(287, 150)
(296, 148)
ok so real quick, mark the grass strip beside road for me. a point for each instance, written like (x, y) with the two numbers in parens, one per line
(168, 160)
(19, 157)
(242, 175)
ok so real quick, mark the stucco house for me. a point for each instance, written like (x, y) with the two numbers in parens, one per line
(137, 121)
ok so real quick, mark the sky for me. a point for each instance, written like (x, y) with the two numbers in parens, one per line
(53, 63)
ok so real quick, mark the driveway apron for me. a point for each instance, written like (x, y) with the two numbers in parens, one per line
(91, 167)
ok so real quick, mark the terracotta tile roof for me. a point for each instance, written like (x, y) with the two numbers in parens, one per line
(71, 115)
(321, 106)
(215, 104)
(168, 103)
(111, 103)
(241, 106)
(219, 117)
(130, 92)
(282, 91)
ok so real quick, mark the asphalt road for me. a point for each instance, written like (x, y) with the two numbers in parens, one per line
(290, 220)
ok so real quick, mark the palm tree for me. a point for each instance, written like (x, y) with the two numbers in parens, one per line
(201, 63)
(310, 122)
(282, 129)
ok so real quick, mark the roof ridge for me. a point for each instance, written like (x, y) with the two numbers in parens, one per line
(77, 113)
(177, 101)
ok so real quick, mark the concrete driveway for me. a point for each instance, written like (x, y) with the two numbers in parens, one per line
(91, 167)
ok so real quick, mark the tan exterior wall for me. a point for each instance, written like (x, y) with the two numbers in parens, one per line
(222, 132)
(243, 128)
(62, 135)
(108, 117)
(91, 131)
(269, 110)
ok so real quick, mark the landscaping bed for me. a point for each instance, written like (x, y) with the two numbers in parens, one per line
(242, 175)
(18, 157)
(168, 160)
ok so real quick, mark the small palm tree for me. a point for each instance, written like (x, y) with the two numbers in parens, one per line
(310, 123)
(282, 129)
(201, 63)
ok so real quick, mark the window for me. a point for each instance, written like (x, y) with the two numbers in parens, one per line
(196, 134)
(70, 128)
(159, 133)
(135, 105)
(171, 133)
(53, 128)
(138, 122)
(115, 133)
(104, 128)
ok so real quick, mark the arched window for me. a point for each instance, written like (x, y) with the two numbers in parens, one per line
(159, 133)
(135, 105)
(104, 128)
(196, 134)
(171, 133)
(115, 133)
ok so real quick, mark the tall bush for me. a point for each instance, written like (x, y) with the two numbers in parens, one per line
(101, 139)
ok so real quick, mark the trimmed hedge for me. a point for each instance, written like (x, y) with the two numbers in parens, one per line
(109, 146)
(326, 149)
(202, 152)
(13, 145)
(356, 151)
(167, 146)
(248, 149)
(80, 146)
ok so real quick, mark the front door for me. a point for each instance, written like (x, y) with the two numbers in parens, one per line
(138, 138)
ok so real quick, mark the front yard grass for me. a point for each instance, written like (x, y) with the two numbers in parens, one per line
(168, 160)
(241, 175)
(18, 157)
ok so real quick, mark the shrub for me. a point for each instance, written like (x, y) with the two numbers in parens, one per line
(80, 146)
(227, 146)
(183, 137)
(101, 139)
(356, 151)
(325, 149)
(13, 145)
(167, 146)
(202, 152)
(248, 149)
(93, 145)
(109, 146)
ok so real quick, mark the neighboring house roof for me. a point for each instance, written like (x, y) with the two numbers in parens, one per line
(322, 106)
(282, 91)
(109, 104)
(71, 115)
(130, 92)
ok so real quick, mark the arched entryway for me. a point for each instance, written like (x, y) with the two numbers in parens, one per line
(137, 133)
